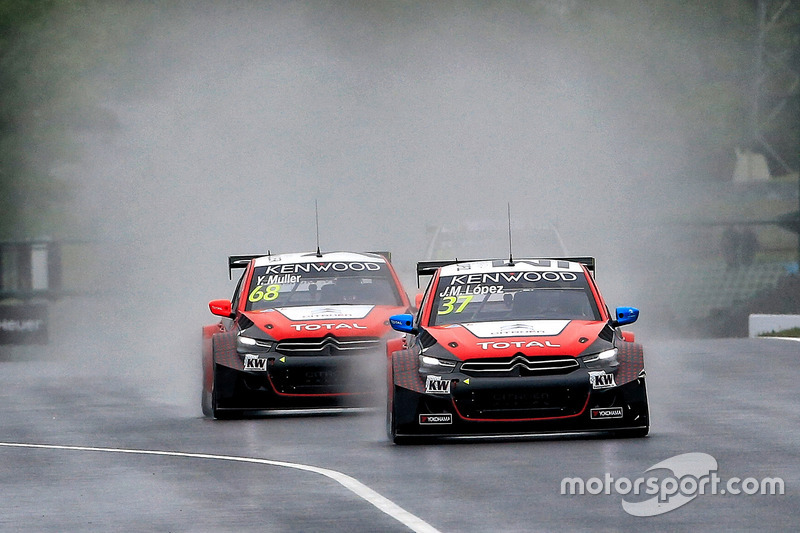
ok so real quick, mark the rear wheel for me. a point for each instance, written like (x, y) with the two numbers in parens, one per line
(205, 403)
(207, 383)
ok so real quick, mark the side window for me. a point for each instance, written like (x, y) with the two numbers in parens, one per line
(424, 302)
(236, 293)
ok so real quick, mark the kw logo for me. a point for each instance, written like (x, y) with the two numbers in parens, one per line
(601, 380)
(437, 385)
(255, 363)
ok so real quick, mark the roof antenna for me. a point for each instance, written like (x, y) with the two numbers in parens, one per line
(510, 255)
(316, 215)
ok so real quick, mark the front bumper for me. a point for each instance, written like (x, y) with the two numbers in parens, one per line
(507, 406)
(286, 382)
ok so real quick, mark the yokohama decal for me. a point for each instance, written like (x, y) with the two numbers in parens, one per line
(606, 412)
(436, 419)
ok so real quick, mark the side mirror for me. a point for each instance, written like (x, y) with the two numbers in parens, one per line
(221, 308)
(403, 323)
(625, 315)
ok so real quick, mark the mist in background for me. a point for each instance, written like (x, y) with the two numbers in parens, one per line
(224, 122)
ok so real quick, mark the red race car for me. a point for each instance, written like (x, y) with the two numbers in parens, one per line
(514, 347)
(303, 330)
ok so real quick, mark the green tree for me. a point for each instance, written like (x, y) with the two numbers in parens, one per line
(27, 190)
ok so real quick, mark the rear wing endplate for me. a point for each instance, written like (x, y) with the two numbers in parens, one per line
(240, 261)
(384, 254)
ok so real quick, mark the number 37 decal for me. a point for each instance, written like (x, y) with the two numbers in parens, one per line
(448, 303)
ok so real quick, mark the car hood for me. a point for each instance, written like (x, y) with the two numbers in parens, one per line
(321, 320)
(530, 337)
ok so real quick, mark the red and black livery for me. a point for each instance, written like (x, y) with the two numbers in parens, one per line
(303, 330)
(505, 347)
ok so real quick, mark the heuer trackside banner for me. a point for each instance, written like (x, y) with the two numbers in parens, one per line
(23, 324)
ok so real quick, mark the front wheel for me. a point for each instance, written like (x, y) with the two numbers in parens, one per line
(222, 377)
(391, 429)
(391, 412)
(391, 419)
(637, 398)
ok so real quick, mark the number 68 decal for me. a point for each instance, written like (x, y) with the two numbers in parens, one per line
(261, 293)
(448, 301)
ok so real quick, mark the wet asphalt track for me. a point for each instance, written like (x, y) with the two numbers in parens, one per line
(736, 400)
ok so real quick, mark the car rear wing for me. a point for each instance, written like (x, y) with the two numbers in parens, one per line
(428, 268)
(385, 255)
(241, 261)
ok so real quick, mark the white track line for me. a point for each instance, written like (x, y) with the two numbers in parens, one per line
(783, 338)
(359, 489)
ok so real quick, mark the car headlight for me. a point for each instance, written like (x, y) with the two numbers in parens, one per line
(244, 343)
(603, 359)
(434, 364)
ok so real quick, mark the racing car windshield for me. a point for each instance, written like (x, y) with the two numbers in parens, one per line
(497, 296)
(292, 285)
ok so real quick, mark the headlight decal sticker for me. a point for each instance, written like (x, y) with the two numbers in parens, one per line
(631, 362)
(405, 366)
(225, 350)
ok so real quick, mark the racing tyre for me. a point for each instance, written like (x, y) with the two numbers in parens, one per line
(639, 399)
(391, 416)
(222, 377)
(205, 404)
(391, 429)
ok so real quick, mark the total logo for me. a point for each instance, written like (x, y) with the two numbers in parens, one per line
(315, 327)
(517, 344)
